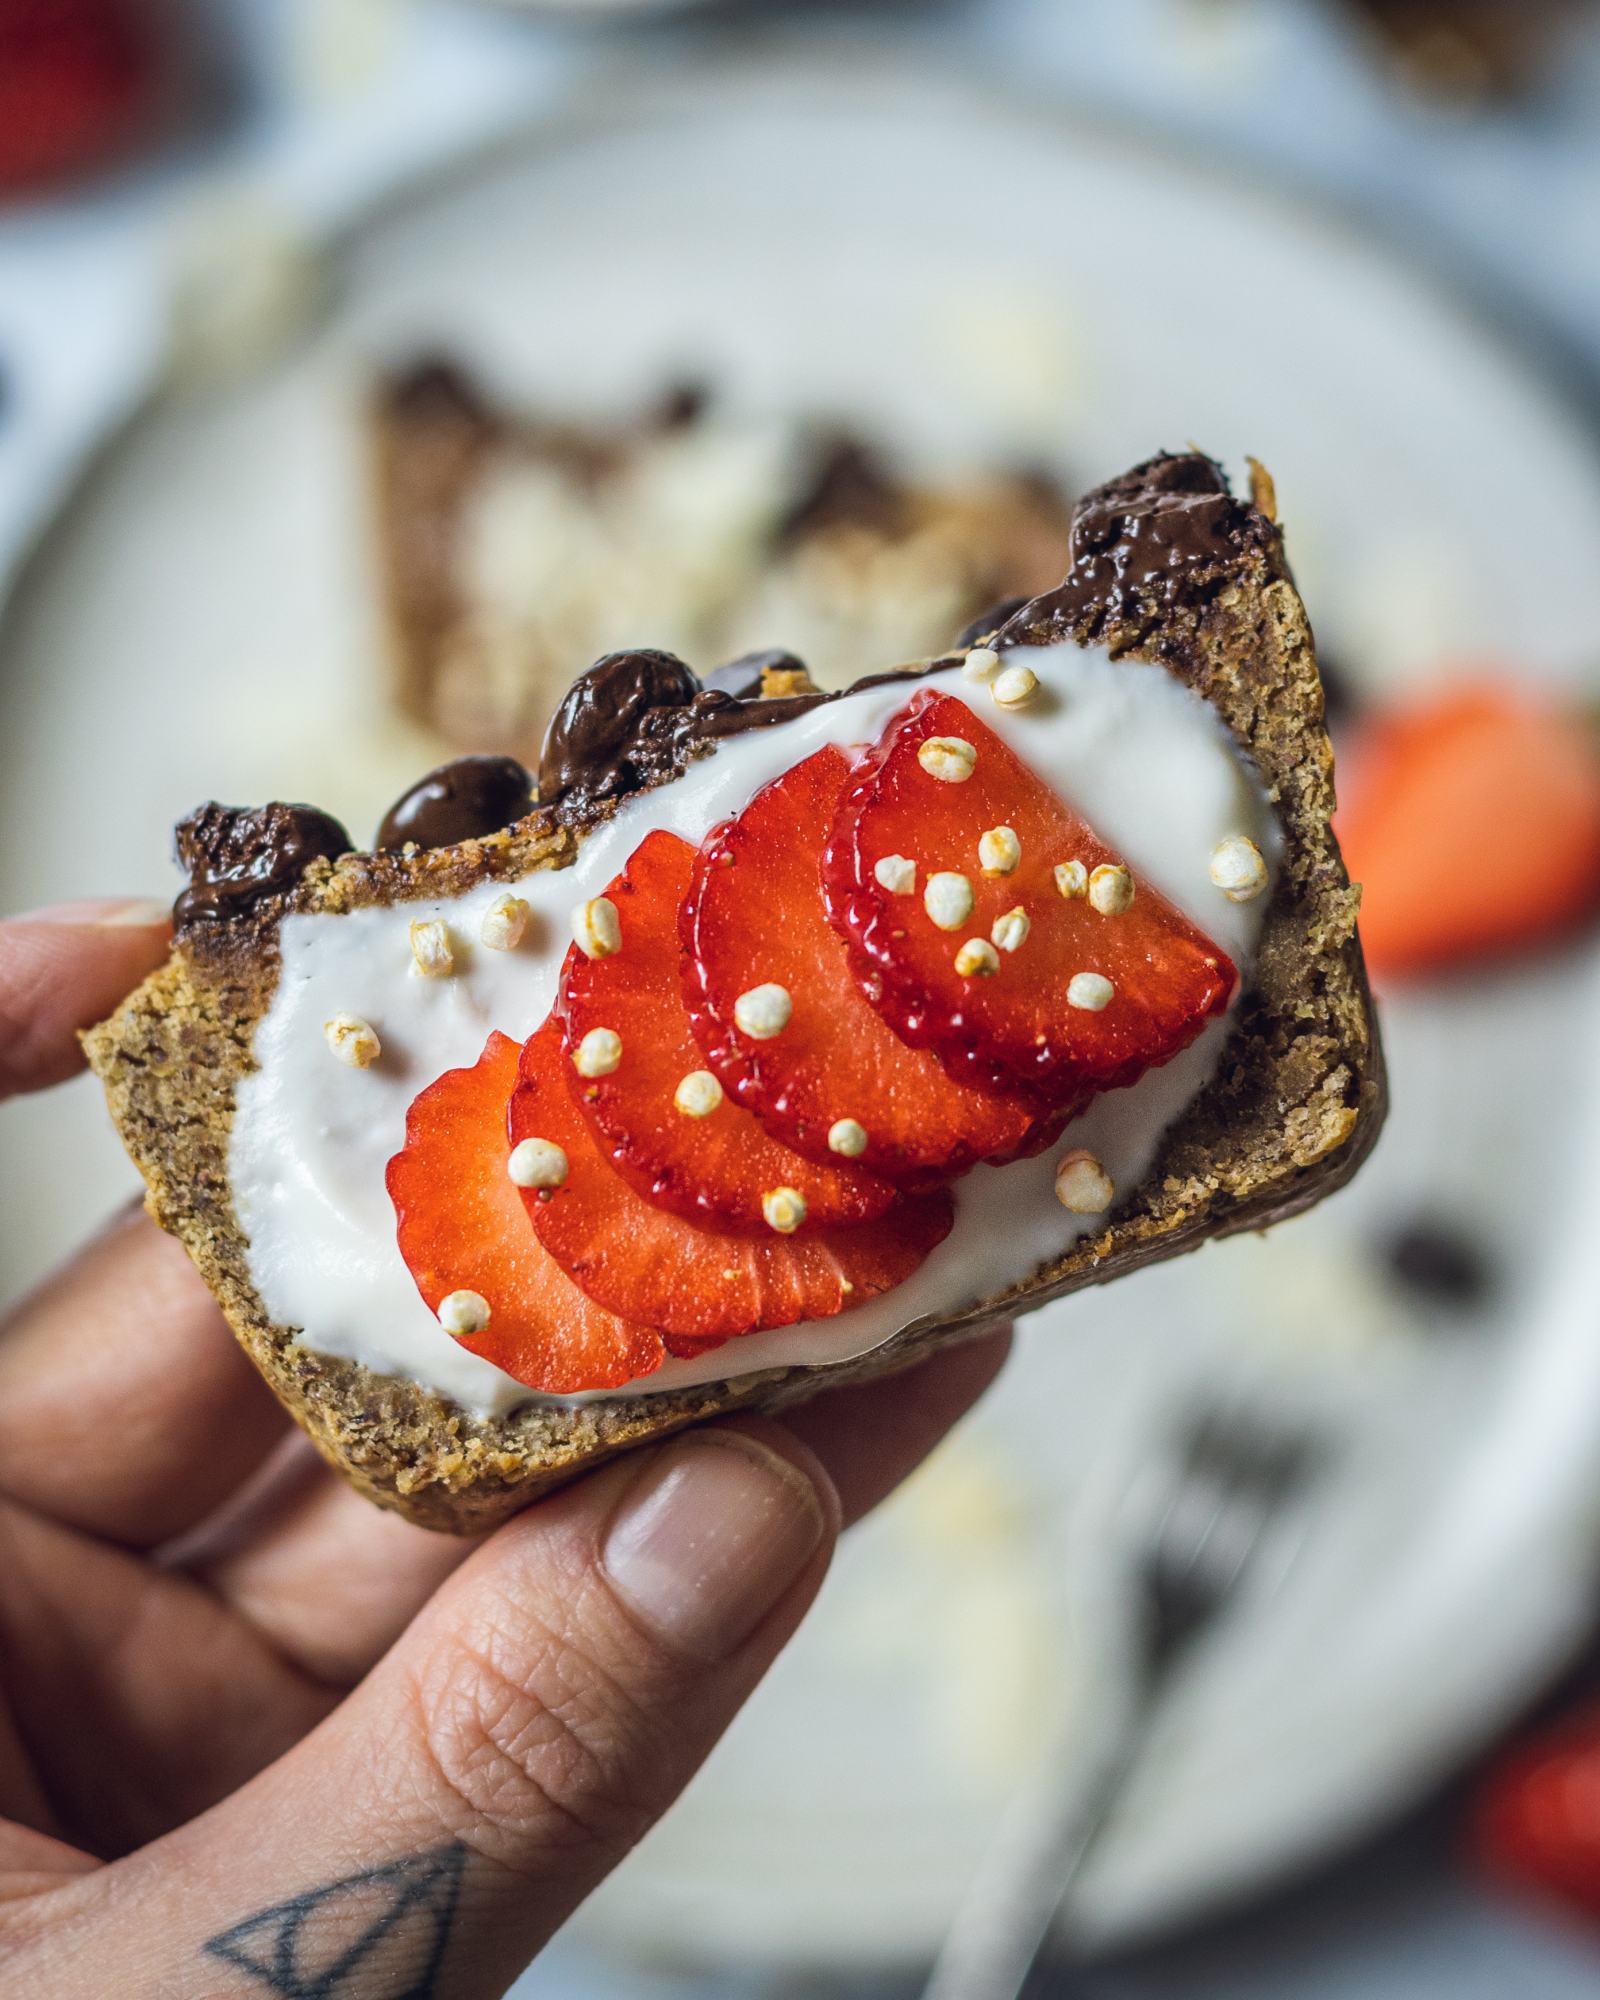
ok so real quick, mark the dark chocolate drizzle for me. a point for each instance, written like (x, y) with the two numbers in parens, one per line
(589, 746)
(237, 857)
(742, 677)
(461, 800)
(1167, 533)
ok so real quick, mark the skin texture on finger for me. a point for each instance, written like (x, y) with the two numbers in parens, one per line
(127, 1408)
(540, 1712)
(543, 1710)
(138, 1699)
(62, 970)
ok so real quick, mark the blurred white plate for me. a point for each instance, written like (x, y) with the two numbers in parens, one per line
(962, 274)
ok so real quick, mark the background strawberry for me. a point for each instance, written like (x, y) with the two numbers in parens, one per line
(1471, 819)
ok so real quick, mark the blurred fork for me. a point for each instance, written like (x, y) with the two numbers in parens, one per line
(1234, 1477)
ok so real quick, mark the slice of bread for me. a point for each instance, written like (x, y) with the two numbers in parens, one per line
(1167, 566)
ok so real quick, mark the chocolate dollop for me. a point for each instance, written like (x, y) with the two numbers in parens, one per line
(238, 856)
(461, 800)
(588, 745)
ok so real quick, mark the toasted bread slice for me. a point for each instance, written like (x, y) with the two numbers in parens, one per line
(1166, 566)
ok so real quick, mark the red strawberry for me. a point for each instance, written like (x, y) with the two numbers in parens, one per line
(463, 1228)
(693, 1282)
(1538, 1818)
(1166, 977)
(76, 77)
(713, 1168)
(755, 914)
(1472, 822)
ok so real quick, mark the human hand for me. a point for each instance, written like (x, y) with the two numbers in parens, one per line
(258, 1737)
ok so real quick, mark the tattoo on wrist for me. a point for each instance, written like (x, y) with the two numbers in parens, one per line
(379, 1935)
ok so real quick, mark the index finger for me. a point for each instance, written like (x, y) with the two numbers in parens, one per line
(63, 969)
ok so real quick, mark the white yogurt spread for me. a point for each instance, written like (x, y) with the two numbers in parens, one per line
(1146, 762)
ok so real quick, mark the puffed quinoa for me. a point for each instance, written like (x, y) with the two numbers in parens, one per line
(1091, 991)
(952, 759)
(948, 899)
(537, 1163)
(463, 1312)
(505, 923)
(698, 1094)
(431, 953)
(352, 1040)
(784, 1209)
(897, 873)
(999, 851)
(1239, 868)
(1083, 1186)
(596, 928)
(1010, 929)
(763, 1012)
(1072, 878)
(1015, 686)
(1111, 889)
(599, 1053)
(847, 1136)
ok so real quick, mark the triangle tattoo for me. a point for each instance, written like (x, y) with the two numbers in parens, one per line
(394, 1921)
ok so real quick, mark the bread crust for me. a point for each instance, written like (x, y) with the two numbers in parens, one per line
(1293, 1109)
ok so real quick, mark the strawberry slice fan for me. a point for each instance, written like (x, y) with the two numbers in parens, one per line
(947, 964)
(998, 929)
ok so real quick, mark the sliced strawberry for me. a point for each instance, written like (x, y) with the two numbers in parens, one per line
(462, 1227)
(692, 1282)
(1537, 1817)
(713, 1169)
(755, 914)
(1167, 978)
(1471, 819)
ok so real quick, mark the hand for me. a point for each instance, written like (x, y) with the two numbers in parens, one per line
(258, 1737)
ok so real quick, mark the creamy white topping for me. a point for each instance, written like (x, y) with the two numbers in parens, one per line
(1146, 762)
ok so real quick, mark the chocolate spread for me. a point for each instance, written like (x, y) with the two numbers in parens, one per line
(1164, 535)
(1168, 533)
(461, 800)
(238, 856)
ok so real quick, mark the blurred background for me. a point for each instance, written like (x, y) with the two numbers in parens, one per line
(368, 366)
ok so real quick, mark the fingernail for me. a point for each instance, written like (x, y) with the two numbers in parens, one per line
(705, 1543)
(117, 911)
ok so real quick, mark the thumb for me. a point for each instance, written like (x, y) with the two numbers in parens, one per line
(545, 1707)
